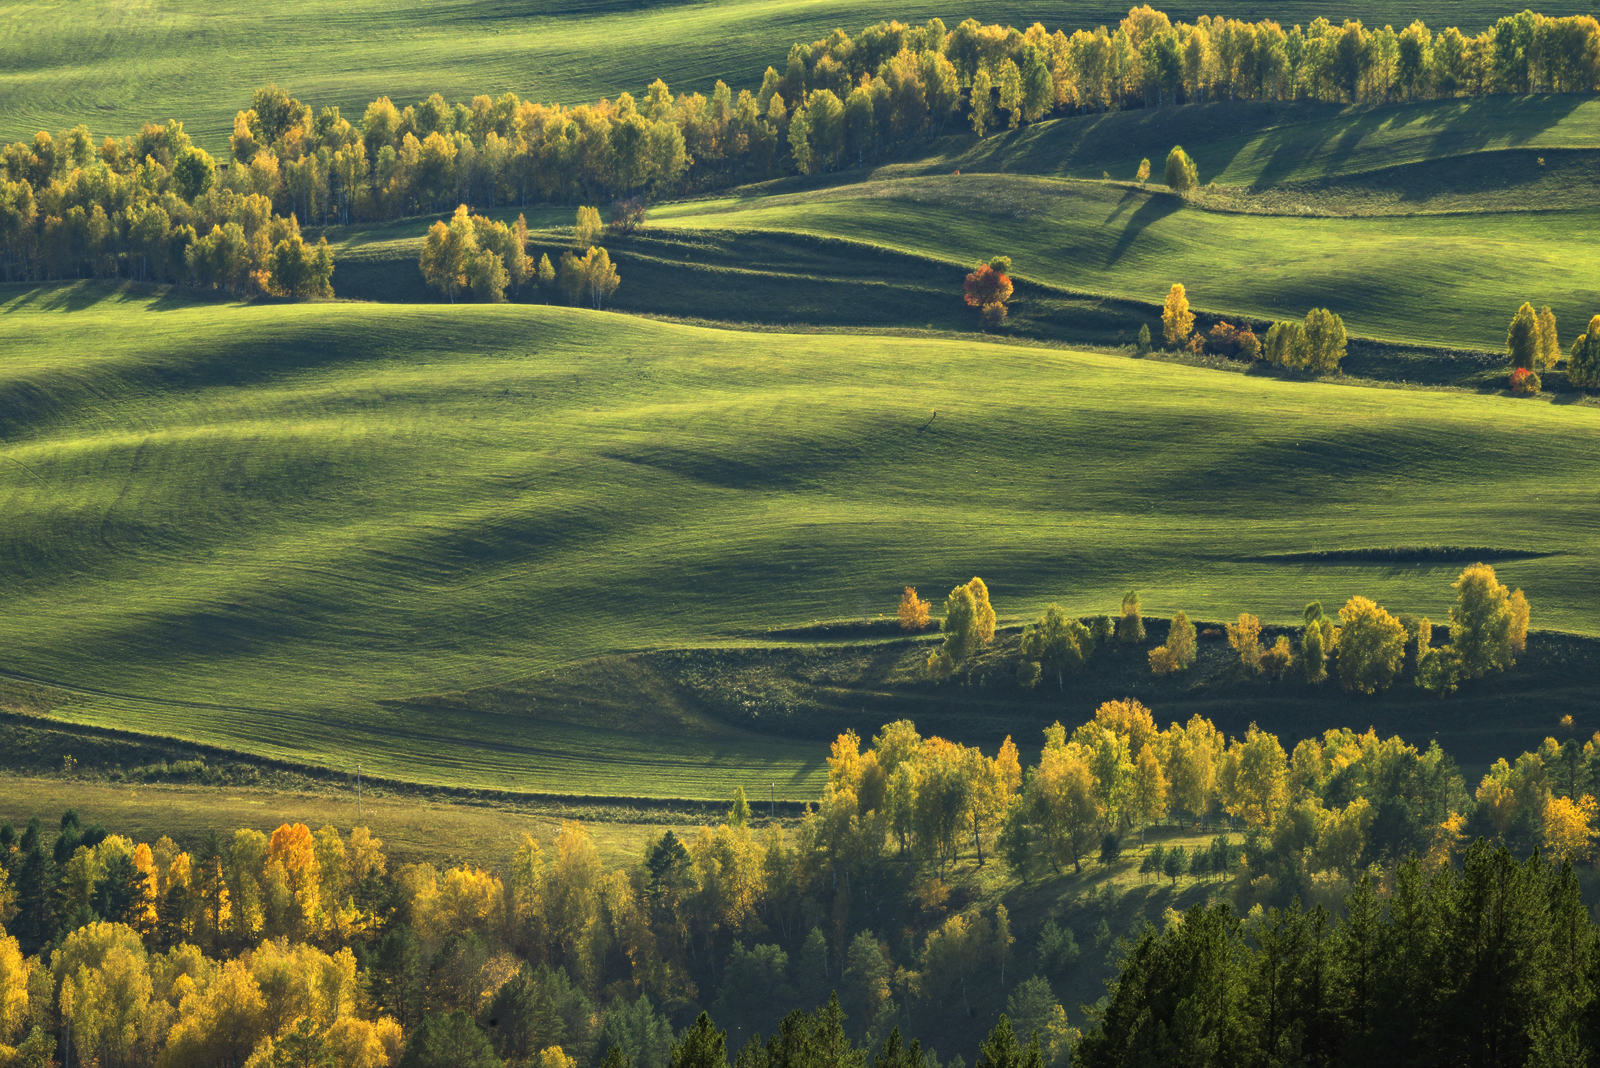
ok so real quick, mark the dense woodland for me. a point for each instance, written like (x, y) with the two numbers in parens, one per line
(250, 948)
(154, 207)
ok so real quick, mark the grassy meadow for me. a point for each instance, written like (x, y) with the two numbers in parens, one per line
(116, 64)
(287, 529)
(1450, 280)
(1421, 225)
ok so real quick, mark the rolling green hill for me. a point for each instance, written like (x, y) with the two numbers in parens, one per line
(1428, 225)
(1450, 280)
(1263, 144)
(278, 528)
(118, 63)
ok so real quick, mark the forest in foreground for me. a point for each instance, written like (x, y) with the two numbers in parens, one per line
(1352, 879)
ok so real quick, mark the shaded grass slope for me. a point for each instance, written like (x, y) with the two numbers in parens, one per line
(272, 528)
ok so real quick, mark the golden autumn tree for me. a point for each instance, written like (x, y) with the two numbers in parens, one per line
(1245, 638)
(913, 610)
(294, 882)
(1177, 321)
(1569, 826)
(1372, 646)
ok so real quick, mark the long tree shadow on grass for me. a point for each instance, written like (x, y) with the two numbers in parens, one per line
(1156, 207)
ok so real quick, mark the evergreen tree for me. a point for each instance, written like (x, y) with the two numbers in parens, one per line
(448, 1041)
(702, 1046)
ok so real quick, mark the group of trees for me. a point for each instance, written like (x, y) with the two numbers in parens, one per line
(1364, 646)
(837, 102)
(152, 207)
(1490, 964)
(1533, 345)
(473, 253)
(257, 949)
(1316, 345)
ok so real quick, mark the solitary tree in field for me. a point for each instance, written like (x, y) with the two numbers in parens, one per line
(1522, 339)
(1176, 319)
(1143, 174)
(1182, 175)
(913, 611)
(739, 809)
(1179, 651)
(988, 288)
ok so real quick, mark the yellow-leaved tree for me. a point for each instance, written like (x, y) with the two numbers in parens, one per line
(1177, 322)
(1569, 826)
(1245, 637)
(913, 610)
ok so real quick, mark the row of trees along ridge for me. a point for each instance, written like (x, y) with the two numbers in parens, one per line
(837, 102)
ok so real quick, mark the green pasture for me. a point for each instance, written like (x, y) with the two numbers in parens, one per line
(1264, 144)
(117, 63)
(281, 528)
(1451, 280)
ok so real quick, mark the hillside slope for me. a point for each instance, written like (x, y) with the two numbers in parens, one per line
(116, 65)
(294, 517)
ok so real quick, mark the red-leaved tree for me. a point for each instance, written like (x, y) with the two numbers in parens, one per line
(988, 289)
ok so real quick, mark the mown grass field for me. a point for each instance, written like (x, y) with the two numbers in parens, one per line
(280, 528)
(115, 64)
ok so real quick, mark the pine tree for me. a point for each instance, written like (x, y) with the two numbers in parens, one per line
(702, 1046)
